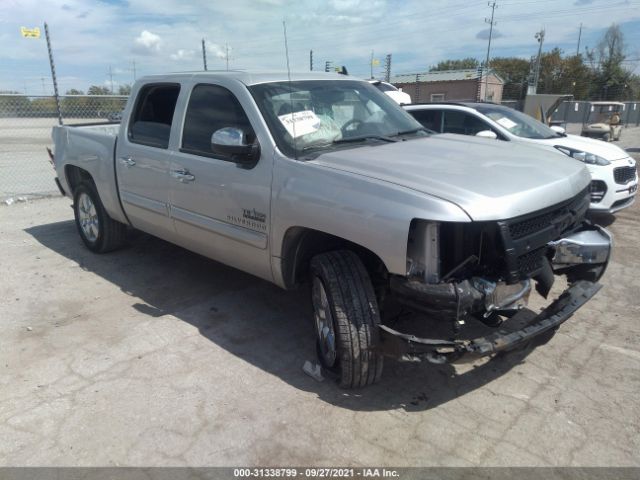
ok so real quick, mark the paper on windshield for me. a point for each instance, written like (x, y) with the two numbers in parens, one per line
(300, 123)
(506, 123)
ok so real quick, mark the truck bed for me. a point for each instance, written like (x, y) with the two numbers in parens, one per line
(89, 147)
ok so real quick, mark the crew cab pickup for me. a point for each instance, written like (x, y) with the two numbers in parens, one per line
(321, 179)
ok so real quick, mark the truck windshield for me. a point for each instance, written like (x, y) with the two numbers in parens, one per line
(311, 116)
(517, 123)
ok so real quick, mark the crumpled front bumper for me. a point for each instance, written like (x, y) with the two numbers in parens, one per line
(582, 256)
(400, 344)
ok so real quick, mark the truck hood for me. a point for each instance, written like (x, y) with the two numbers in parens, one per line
(590, 145)
(489, 180)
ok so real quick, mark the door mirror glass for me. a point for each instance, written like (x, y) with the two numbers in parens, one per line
(228, 137)
(487, 134)
(232, 142)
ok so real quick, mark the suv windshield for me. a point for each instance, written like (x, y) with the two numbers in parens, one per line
(517, 123)
(385, 87)
(311, 116)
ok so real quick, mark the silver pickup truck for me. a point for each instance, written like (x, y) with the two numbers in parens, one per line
(320, 179)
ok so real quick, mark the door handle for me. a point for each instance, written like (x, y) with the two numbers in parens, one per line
(182, 176)
(127, 161)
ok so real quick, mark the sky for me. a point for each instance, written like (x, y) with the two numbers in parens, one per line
(91, 38)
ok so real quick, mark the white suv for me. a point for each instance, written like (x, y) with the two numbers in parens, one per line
(400, 97)
(613, 171)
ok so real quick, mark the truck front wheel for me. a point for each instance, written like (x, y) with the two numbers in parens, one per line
(346, 318)
(99, 232)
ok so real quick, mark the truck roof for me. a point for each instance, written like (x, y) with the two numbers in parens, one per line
(249, 77)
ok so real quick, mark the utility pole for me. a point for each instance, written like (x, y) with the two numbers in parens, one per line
(486, 63)
(540, 37)
(111, 79)
(387, 68)
(371, 64)
(53, 73)
(204, 55)
(226, 55)
(579, 36)
(134, 71)
(44, 92)
(311, 60)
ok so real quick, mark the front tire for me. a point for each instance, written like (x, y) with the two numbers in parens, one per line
(99, 232)
(346, 318)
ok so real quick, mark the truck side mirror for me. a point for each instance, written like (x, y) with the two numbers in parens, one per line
(558, 129)
(487, 134)
(231, 142)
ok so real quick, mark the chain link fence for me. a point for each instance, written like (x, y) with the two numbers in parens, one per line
(26, 122)
(25, 132)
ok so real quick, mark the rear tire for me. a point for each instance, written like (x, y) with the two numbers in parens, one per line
(99, 232)
(346, 318)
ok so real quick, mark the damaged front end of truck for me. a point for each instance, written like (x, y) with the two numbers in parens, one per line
(486, 271)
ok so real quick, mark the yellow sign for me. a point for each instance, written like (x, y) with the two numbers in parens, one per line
(30, 32)
(375, 62)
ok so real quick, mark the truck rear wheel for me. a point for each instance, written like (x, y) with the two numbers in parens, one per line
(346, 318)
(99, 232)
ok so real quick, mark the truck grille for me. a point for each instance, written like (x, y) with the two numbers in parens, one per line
(525, 238)
(529, 226)
(531, 262)
(624, 175)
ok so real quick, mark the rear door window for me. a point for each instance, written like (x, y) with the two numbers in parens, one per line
(463, 123)
(431, 119)
(153, 115)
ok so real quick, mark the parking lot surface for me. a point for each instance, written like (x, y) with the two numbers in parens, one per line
(153, 356)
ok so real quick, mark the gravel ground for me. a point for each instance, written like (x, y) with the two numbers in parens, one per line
(154, 356)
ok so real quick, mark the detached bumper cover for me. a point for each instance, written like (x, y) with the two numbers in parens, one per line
(441, 351)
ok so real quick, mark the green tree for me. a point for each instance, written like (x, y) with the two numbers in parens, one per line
(98, 90)
(564, 75)
(459, 64)
(124, 89)
(515, 72)
(612, 81)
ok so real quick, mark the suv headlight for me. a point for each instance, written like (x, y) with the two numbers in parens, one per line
(589, 158)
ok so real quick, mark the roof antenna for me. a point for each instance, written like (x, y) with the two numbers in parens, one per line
(293, 123)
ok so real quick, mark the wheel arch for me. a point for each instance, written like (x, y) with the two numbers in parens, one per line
(75, 175)
(107, 190)
(301, 244)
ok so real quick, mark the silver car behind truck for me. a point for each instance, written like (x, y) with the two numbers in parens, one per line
(322, 179)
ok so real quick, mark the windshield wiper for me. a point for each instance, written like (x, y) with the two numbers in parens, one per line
(414, 130)
(364, 138)
(317, 145)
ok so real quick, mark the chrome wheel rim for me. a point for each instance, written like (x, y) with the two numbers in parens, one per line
(88, 217)
(325, 329)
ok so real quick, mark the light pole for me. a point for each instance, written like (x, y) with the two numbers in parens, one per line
(539, 36)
